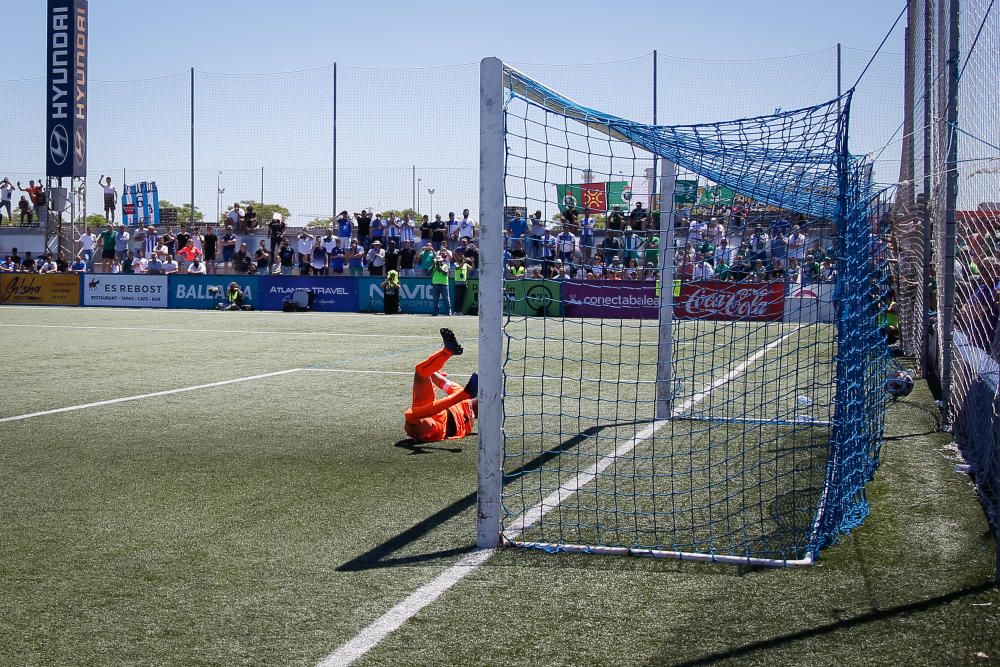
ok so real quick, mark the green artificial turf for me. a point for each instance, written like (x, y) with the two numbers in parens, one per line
(267, 522)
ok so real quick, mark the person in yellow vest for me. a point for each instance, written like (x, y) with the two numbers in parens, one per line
(462, 267)
(440, 284)
(516, 270)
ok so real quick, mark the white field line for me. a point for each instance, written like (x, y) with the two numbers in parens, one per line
(139, 397)
(380, 628)
(221, 331)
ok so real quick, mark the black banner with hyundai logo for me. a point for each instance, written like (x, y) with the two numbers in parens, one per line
(66, 102)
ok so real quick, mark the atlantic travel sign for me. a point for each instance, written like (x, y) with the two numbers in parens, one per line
(66, 93)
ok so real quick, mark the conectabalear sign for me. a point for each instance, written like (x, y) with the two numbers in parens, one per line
(762, 302)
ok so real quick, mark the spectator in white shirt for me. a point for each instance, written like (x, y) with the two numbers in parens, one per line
(466, 226)
(140, 263)
(169, 266)
(703, 269)
(87, 242)
(375, 259)
(797, 244)
(197, 267)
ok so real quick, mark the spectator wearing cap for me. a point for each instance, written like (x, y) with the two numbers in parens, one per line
(375, 259)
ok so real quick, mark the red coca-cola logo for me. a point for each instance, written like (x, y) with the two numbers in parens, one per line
(721, 301)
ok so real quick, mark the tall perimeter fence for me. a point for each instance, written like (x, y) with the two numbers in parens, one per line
(947, 224)
(338, 137)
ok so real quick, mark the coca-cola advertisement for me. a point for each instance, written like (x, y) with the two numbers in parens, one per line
(710, 300)
(761, 302)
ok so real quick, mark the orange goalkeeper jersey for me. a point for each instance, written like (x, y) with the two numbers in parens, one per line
(435, 427)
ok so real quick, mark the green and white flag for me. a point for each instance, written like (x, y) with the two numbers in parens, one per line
(685, 192)
(716, 195)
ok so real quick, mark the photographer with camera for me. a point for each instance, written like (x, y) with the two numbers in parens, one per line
(234, 297)
(440, 283)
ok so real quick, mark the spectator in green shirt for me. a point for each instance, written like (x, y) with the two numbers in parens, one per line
(107, 241)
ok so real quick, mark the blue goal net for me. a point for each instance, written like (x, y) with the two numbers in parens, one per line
(695, 330)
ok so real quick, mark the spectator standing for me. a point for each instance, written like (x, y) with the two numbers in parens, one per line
(151, 241)
(439, 229)
(407, 229)
(779, 246)
(36, 193)
(461, 284)
(587, 237)
(355, 258)
(210, 248)
(375, 259)
(652, 250)
(391, 258)
(797, 244)
(759, 242)
(249, 220)
(392, 232)
(440, 285)
(345, 230)
(472, 254)
(534, 248)
(319, 260)
(304, 246)
(181, 240)
(566, 242)
(377, 229)
(276, 231)
(286, 257)
(452, 227)
(407, 258)
(228, 249)
(427, 260)
(518, 228)
(337, 255)
(549, 247)
(242, 260)
(696, 232)
(263, 259)
(466, 226)
(24, 208)
(189, 253)
(633, 244)
(364, 220)
(425, 231)
(107, 242)
(234, 218)
(110, 198)
(88, 241)
(6, 194)
(121, 242)
(168, 240)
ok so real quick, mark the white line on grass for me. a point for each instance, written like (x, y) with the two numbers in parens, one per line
(380, 628)
(220, 331)
(112, 401)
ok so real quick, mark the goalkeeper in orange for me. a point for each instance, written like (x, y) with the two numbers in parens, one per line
(432, 419)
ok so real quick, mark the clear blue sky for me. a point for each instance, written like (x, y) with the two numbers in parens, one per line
(136, 39)
(396, 115)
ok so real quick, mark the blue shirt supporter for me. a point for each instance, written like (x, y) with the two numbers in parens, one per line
(518, 228)
(344, 228)
(337, 260)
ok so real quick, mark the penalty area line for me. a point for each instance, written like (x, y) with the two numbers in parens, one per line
(373, 634)
(139, 397)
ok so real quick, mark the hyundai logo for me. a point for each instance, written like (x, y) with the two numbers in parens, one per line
(58, 145)
(80, 146)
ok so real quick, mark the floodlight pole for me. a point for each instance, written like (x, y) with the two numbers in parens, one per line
(491, 201)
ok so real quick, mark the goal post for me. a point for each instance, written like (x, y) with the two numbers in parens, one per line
(689, 388)
(491, 203)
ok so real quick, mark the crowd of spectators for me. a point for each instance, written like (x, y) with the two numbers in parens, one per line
(31, 207)
(630, 249)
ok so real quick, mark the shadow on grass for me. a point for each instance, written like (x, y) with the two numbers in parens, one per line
(415, 447)
(870, 617)
(379, 556)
